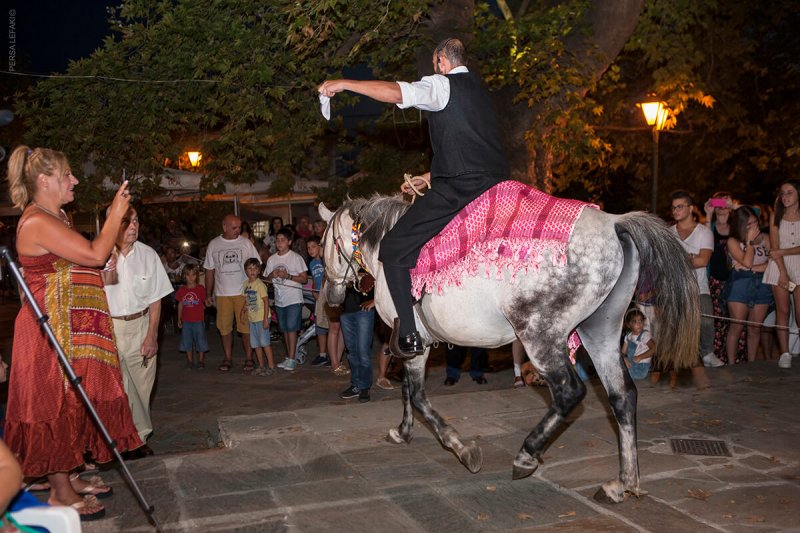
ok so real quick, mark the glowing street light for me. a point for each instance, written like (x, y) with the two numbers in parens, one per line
(655, 113)
(194, 158)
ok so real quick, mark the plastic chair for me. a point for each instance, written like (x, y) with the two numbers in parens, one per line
(56, 519)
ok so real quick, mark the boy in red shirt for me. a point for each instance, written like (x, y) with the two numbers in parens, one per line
(191, 298)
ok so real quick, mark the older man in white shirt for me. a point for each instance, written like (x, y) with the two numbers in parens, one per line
(134, 301)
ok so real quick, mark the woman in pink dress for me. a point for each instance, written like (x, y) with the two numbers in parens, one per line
(47, 426)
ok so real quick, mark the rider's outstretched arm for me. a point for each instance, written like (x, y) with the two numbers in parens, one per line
(382, 91)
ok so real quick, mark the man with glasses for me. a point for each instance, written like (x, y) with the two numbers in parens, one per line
(698, 241)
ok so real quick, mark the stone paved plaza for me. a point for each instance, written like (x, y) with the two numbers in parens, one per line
(283, 453)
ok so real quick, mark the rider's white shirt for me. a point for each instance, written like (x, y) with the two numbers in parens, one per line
(431, 93)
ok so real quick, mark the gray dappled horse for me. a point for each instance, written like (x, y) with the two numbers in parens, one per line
(605, 256)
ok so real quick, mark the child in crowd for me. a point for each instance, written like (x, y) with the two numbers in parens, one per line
(638, 347)
(256, 311)
(287, 272)
(191, 308)
(317, 275)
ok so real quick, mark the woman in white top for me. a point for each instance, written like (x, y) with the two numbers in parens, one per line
(784, 265)
(748, 298)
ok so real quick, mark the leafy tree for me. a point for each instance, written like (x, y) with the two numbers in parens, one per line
(565, 74)
(246, 95)
(729, 72)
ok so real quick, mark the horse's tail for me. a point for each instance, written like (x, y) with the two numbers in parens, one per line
(665, 269)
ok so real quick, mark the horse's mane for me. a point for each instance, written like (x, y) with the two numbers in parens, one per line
(378, 215)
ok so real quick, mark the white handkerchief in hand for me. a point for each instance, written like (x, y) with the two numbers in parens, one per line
(325, 106)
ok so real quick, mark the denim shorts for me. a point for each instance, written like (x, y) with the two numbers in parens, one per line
(744, 286)
(193, 337)
(259, 336)
(289, 317)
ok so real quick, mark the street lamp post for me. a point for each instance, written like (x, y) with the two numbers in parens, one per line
(655, 113)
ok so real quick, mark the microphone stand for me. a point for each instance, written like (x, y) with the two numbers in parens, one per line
(76, 382)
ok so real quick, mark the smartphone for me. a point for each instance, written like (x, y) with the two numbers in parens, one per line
(718, 202)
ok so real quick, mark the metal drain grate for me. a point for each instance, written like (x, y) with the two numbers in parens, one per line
(714, 448)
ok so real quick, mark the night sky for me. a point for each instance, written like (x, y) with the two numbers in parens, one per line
(51, 32)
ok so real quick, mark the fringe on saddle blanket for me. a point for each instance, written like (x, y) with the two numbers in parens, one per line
(508, 227)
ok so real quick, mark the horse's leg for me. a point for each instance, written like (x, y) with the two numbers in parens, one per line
(414, 396)
(622, 396)
(403, 434)
(566, 390)
(600, 335)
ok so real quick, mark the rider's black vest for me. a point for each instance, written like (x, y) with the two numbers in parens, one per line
(464, 135)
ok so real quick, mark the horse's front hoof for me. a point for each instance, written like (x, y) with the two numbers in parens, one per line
(395, 438)
(523, 471)
(611, 492)
(524, 466)
(471, 456)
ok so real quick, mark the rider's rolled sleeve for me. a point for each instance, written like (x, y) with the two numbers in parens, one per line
(431, 93)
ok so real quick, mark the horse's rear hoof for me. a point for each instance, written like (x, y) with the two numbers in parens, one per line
(520, 472)
(471, 456)
(611, 492)
(395, 438)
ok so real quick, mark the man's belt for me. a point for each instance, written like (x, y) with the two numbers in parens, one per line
(134, 316)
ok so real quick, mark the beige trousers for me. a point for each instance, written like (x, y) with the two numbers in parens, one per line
(137, 379)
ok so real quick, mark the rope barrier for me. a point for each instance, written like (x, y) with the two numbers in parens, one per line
(745, 322)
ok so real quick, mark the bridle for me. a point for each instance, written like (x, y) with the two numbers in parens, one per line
(356, 259)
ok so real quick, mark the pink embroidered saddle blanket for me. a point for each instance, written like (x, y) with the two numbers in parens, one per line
(509, 227)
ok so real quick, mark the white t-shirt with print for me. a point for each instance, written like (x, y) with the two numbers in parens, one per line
(286, 292)
(227, 257)
(700, 239)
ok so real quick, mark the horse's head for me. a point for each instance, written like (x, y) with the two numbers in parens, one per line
(340, 267)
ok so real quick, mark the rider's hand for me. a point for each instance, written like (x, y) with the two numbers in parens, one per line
(420, 182)
(330, 87)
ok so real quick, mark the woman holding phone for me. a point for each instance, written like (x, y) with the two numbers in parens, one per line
(718, 213)
(47, 426)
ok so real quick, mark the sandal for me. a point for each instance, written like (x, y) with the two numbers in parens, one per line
(249, 365)
(96, 487)
(98, 492)
(85, 505)
(36, 485)
(225, 366)
(519, 383)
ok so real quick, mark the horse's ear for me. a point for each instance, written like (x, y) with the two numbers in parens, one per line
(325, 213)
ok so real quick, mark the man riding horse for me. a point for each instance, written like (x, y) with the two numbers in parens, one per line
(467, 161)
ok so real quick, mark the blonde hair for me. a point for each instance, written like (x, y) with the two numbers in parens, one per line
(24, 167)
